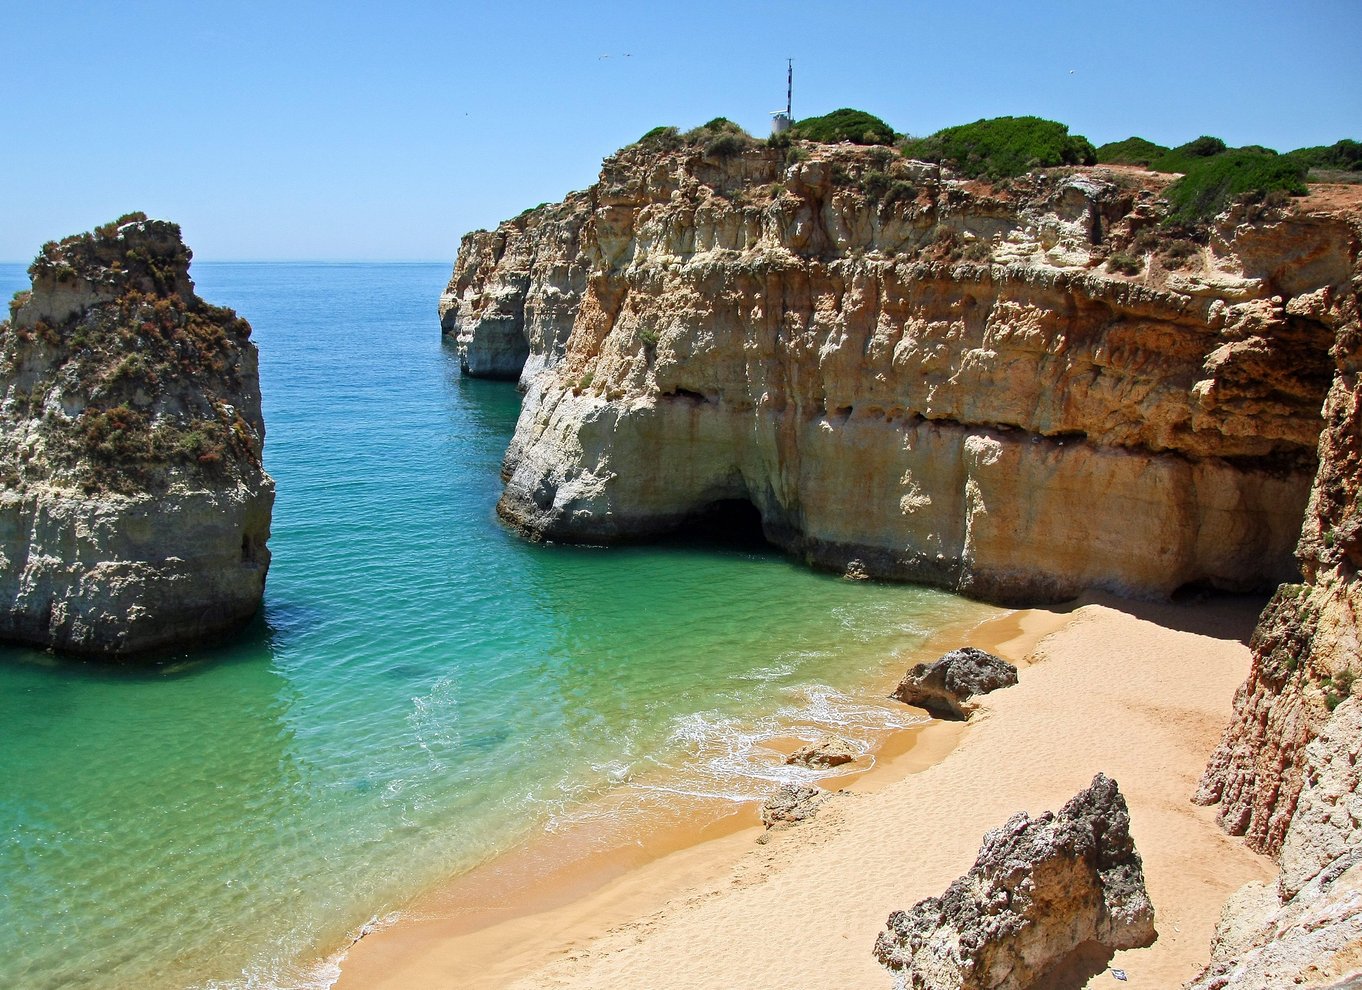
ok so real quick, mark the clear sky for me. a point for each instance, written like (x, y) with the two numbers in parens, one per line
(385, 130)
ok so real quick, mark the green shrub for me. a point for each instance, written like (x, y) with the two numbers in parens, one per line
(720, 138)
(726, 145)
(1126, 264)
(1131, 151)
(1341, 156)
(1210, 184)
(845, 124)
(1003, 147)
(881, 187)
(1184, 156)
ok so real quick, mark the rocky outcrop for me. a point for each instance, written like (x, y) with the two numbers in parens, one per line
(134, 510)
(1307, 645)
(942, 381)
(791, 804)
(1040, 890)
(829, 751)
(1313, 940)
(944, 688)
(1285, 774)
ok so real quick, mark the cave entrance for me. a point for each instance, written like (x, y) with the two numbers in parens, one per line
(729, 524)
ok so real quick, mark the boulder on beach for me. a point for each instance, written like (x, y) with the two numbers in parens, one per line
(791, 805)
(945, 687)
(1044, 896)
(829, 751)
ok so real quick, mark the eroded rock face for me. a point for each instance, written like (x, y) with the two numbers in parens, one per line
(1286, 772)
(1307, 649)
(134, 511)
(938, 380)
(1313, 940)
(1039, 890)
(945, 688)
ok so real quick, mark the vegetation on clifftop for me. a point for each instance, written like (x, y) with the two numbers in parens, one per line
(1003, 147)
(1341, 156)
(1213, 176)
(142, 377)
(1211, 184)
(1131, 151)
(717, 138)
(845, 124)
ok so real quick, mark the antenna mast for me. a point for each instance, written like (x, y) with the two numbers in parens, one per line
(782, 120)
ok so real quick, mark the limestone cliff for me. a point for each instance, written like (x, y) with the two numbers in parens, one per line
(1286, 773)
(910, 375)
(134, 510)
(1307, 645)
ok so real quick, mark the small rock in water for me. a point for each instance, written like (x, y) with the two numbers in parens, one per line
(830, 751)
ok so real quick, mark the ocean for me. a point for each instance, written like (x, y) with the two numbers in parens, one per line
(422, 689)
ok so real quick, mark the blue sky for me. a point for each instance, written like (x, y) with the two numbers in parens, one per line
(349, 130)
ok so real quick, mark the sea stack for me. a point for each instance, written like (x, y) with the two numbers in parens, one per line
(134, 508)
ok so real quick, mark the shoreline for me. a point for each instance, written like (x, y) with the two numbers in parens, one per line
(1144, 692)
(499, 920)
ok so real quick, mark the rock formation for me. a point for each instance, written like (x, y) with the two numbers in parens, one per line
(944, 688)
(1313, 940)
(134, 511)
(1285, 774)
(791, 804)
(1039, 890)
(941, 380)
(1015, 390)
(829, 751)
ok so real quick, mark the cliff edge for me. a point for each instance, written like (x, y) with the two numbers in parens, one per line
(1014, 390)
(134, 509)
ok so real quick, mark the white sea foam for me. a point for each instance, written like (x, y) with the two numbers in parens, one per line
(716, 756)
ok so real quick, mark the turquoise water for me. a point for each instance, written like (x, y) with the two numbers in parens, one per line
(421, 690)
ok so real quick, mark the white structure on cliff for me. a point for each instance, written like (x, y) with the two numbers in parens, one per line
(781, 120)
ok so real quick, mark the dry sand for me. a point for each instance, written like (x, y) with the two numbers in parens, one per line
(1138, 692)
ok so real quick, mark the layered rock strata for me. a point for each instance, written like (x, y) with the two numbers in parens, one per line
(1039, 890)
(946, 688)
(134, 510)
(910, 376)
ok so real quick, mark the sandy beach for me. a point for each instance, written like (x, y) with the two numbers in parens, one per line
(1138, 691)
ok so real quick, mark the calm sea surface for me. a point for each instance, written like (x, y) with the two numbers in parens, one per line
(421, 690)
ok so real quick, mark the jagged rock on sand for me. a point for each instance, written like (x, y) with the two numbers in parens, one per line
(791, 804)
(945, 688)
(1312, 940)
(1040, 891)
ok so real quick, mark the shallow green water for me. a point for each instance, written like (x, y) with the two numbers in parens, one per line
(421, 690)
